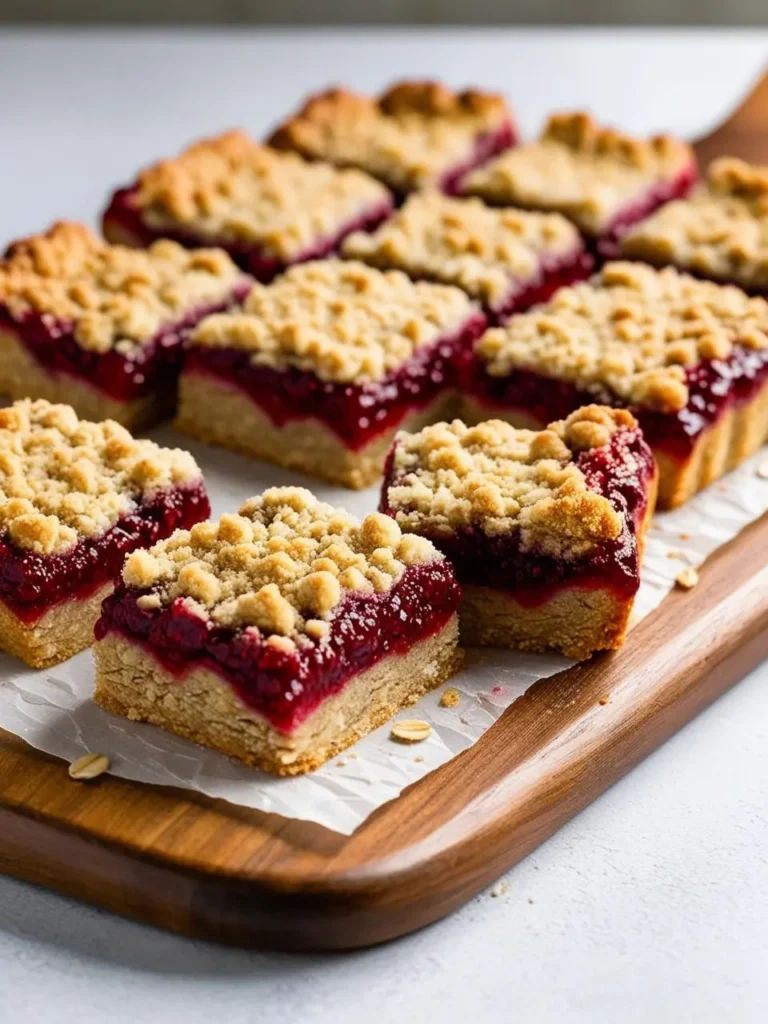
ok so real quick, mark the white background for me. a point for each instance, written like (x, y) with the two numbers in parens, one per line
(650, 906)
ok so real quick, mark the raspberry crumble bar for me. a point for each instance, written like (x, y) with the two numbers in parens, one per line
(281, 635)
(506, 259)
(688, 357)
(720, 232)
(545, 529)
(100, 326)
(602, 180)
(416, 135)
(75, 499)
(318, 370)
(267, 209)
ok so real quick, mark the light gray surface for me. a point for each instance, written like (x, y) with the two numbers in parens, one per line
(651, 905)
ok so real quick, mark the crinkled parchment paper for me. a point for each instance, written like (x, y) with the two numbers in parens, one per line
(52, 711)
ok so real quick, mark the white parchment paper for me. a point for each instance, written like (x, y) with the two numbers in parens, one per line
(52, 710)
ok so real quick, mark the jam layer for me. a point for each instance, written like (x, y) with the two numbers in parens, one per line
(356, 413)
(621, 471)
(31, 584)
(153, 368)
(552, 275)
(126, 217)
(486, 146)
(714, 385)
(285, 687)
(663, 192)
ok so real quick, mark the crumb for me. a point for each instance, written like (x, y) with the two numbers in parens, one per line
(762, 470)
(687, 579)
(605, 700)
(498, 689)
(684, 536)
(352, 756)
(419, 758)
(500, 889)
(450, 698)
(673, 554)
(340, 764)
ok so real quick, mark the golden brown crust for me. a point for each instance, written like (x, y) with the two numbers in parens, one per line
(63, 479)
(465, 243)
(204, 708)
(307, 445)
(631, 330)
(720, 232)
(342, 321)
(581, 169)
(232, 189)
(59, 634)
(408, 137)
(22, 376)
(115, 297)
(285, 561)
(501, 480)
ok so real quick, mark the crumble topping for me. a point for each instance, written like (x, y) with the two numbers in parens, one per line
(463, 242)
(502, 480)
(585, 171)
(282, 564)
(63, 479)
(720, 232)
(408, 137)
(233, 189)
(110, 294)
(344, 322)
(632, 330)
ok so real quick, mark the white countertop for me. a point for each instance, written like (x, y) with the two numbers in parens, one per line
(651, 905)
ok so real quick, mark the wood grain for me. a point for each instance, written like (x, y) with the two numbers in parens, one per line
(209, 869)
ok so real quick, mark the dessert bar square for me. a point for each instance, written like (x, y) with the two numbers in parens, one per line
(317, 370)
(505, 259)
(75, 499)
(415, 135)
(688, 357)
(602, 180)
(720, 232)
(267, 209)
(100, 327)
(280, 635)
(544, 528)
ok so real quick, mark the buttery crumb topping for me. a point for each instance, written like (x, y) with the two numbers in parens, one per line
(720, 232)
(408, 137)
(585, 171)
(450, 477)
(63, 479)
(111, 295)
(343, 321)
(632, 330)
(232, 189)
(282, 564)
(463, 242)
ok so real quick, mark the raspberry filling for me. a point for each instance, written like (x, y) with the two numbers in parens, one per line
(663, 192)
(553, 273)
(356, 413)
(31, 584)
(714, 386)
(125, 217)
(486, 146)
(150, 368)
(621, 471)
(285, 687)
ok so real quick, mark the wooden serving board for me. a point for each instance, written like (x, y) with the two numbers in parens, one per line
(210, 869)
